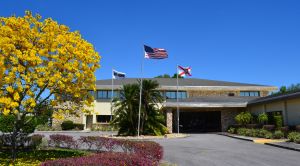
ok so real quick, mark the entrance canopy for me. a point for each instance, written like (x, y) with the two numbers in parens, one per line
(210, 102)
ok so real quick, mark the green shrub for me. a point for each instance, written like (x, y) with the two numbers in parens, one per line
(268, 135)
(294, 137)
(67, 125)
(7, 124)
(278, 134)
(263, 118)
(297, 140)
(262, 132)
(44, 127)
(232, 130)
(278, 121)
(36, 140)
(241, 131)
(243, 118)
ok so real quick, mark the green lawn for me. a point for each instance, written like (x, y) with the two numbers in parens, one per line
(38, 156)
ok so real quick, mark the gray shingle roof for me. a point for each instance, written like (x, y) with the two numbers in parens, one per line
(172, 82)
(276, 97)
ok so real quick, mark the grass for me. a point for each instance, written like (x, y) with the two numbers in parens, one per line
(33, 158)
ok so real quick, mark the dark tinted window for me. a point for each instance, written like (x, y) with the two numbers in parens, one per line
(103, 118)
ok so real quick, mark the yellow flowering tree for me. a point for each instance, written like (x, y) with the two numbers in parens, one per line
(40, 59)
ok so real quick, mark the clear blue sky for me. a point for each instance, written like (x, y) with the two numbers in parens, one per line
(254, 41)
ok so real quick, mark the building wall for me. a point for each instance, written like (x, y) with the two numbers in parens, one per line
(293, 111)
(227, 117)
(290, 110)
(257, 109)
(102, 108)
(275, 106)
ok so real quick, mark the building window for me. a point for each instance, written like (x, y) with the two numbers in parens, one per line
(249, 93)
(106, 94)
(230, 94)
(172, 95)
(103, 118)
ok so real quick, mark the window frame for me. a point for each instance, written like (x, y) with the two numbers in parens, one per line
(250, 93)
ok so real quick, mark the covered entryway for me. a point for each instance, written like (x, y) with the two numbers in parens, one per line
(196, 122)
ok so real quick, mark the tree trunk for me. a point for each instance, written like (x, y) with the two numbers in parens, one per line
(14, 144)
(14, 136)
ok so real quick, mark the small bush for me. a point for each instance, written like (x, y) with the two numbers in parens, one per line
(241, 131)
(262, 133)
(297, 140)
(268, 135)
(278, 121)
(294, 137)
(278, 134)
(67, 125)
(243, 118)
(263, 118)
(148, 149)
(232, 130)
(36, 140)
(269, 127)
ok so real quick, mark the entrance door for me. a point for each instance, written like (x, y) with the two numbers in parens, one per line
(89, 121)
(195, 122)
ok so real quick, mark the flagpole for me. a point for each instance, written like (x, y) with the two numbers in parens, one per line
(140, 103)
(112, 97)
(177, 101)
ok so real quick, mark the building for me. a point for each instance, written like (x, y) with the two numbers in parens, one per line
(287, 105)
(205, 105)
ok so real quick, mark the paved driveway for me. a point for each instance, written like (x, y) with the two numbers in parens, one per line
(217, 150)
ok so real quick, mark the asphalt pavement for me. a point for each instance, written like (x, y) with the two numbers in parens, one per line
(217, 150)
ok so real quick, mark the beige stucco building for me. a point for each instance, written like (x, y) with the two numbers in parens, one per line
(288, 105)
(205, 105)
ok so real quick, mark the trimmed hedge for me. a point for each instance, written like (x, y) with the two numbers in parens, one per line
(141, 152)
(104, 159)
(255, 133)
(70, 125)
(64, 141)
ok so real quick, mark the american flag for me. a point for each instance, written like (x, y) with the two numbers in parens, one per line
(155, 53)
(183, 71)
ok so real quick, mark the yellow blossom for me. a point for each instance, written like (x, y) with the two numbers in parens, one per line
(16, 96)
(10, 89)
(57, 61)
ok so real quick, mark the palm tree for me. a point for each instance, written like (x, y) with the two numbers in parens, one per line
(126, 110)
